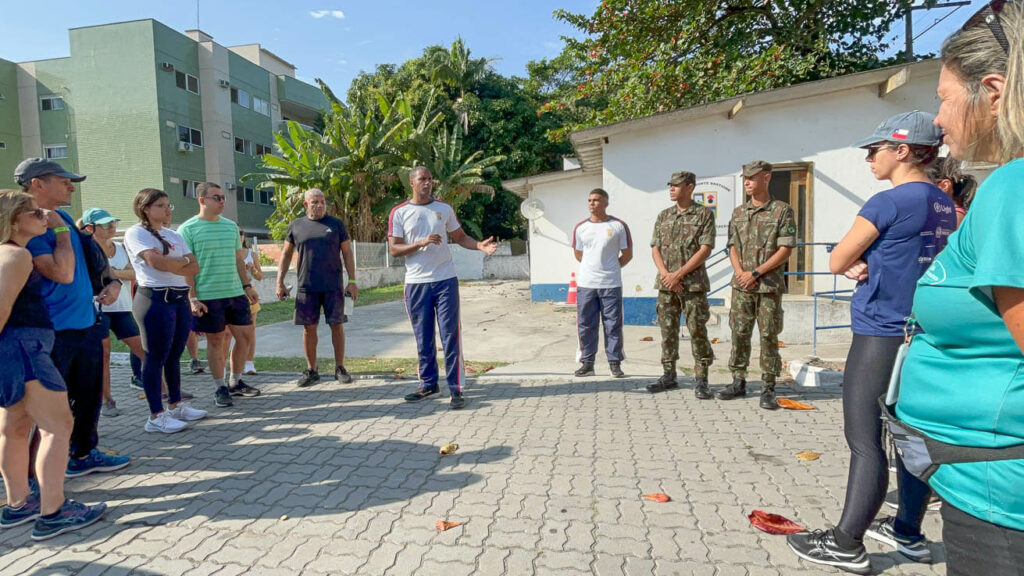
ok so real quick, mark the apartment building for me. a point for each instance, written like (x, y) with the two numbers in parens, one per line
(138, 104)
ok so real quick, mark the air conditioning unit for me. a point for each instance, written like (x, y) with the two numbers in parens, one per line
(229, 185)
(184, 146)
(223, 83)
(167, 66)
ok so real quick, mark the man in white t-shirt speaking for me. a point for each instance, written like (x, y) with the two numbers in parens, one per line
(602, 245)
(418, 230)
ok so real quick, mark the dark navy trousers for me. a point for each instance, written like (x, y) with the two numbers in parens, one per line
(599, 306)
(437, 302)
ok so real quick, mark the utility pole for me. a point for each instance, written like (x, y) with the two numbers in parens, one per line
(908, 22)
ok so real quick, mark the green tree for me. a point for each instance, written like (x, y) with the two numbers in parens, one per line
(456, 68)
(638, 57)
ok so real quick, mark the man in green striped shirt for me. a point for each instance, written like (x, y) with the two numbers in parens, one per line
(220, 293)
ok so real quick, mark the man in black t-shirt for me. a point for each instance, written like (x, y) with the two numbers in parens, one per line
(322, 243)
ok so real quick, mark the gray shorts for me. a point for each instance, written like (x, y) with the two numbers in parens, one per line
(26, 354)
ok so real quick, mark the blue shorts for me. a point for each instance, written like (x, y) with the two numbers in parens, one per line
(122, 324)
(26, 354)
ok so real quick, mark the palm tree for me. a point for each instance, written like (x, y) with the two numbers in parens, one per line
(455, 67)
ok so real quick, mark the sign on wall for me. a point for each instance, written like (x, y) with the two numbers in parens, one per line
(719, 194)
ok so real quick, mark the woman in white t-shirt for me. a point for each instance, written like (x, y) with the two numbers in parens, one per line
(161, 260)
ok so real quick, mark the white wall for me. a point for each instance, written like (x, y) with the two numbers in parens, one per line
(818, 130)
(565, 204)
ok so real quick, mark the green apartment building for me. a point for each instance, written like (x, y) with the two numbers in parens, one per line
(139, 105)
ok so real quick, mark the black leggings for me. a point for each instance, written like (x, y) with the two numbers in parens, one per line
(165, 327)
(868, 367)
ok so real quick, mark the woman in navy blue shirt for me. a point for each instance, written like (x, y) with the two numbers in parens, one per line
(893, 240)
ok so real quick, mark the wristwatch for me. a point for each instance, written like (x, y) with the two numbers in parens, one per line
(755, 274)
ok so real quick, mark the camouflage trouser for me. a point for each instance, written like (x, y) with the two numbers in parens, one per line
(694, 305)
(766, 310)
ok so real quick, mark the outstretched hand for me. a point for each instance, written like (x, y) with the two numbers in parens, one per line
(488, 246)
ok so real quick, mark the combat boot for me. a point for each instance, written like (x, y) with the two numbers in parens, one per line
(768, 401)
(701, 390)
(666, 382)
(585, 369)
(737, 389)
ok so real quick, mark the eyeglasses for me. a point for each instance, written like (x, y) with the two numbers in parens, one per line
(872, 150)
(107, 226)
(37, 212)
(989, 14)
(169, 207)
(216, 197)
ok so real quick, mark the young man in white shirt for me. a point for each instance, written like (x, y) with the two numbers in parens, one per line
(602, 245)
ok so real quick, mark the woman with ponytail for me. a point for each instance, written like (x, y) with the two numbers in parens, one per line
(161, 261)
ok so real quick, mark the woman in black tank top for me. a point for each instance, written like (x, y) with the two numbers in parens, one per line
(31, 389)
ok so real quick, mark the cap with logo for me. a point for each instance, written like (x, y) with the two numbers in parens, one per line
(98, 216)
(915, 127)
(756, 167)
(682, 177)
(36, 167)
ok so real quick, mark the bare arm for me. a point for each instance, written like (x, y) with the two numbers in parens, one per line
(398, 248)
(625, 256)
(257, 270)
(243, 275)
(59, 266)
(578, 254)
(182, 266)
(126, 274)
(350, 268)
(1010, 303)
(15, 268)
(282, 269)
(861, 235)
(460, 237)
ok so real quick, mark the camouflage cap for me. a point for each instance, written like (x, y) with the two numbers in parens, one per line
(682, 177)
(756, 167)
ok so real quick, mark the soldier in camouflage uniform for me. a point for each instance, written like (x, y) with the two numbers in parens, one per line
(684, 235)
(762, 234)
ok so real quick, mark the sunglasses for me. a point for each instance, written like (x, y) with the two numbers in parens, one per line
(217, 197)
(872, 150)
(37, 212)
(107, 226)
(989, 15)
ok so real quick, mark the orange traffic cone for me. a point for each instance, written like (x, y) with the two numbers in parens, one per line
(571, 299)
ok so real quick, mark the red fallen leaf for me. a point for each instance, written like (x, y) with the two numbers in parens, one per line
(773, 523)
(647, 339)
(794, 405)
(659, 497)
(443, 525)
(487, 369)
(470, 370)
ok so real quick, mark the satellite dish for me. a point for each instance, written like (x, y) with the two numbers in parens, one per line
(532, 209)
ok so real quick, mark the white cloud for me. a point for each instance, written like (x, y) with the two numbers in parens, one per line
(332, 13)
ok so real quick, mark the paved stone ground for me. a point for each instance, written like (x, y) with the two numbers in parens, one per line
(548, 480)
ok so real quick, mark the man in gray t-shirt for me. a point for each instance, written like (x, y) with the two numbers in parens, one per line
(322, 244)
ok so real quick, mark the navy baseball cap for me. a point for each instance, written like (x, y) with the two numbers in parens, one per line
(915, 127)
(36, 167)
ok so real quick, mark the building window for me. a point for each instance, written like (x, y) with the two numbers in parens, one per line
(262, 149)
(240, 97)
(3, 145)
(265, 196)
(190, 135)
(260, 105)
(51, 103)
(188, 188)
(186, 81)
(243, 146)
(249, 196)
(55, 152)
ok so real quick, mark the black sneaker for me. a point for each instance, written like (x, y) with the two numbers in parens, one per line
(737, 389)
(195, 366)
(820, 547)
(616, 369)
(223, 397)
(701, 390)
(419, 395)
(892, 500)
(884, 530)
(309, 377)
(667, 380)
(458, 401)
(342, 375)
(137, 383)
(243, 389)
(585, 369)
(768, 401)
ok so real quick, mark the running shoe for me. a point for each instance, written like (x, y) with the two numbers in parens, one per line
(458, 402)
(884, 530)
(27, 512)
(342, 375)
(419, 395)
(164, 422)
(109, 408)
(309, 377)
(223, 397)
(250, 369)
(820, 547)
(185, 412)
(96, 461)
(136, 382)
(71, 516)
(243, 389)
(195, 366)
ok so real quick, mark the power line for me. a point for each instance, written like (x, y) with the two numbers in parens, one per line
(937, 22)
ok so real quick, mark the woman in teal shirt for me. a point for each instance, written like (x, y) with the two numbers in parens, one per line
(963, 380)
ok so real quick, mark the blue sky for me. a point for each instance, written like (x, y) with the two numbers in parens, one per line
(334, 40)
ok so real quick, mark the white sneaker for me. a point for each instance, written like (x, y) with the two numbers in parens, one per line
(165, 423)
(250, 369)
(184, 411)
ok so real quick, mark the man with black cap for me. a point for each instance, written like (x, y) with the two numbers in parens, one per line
(73, 276)
(684, 236)
(762, 234)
